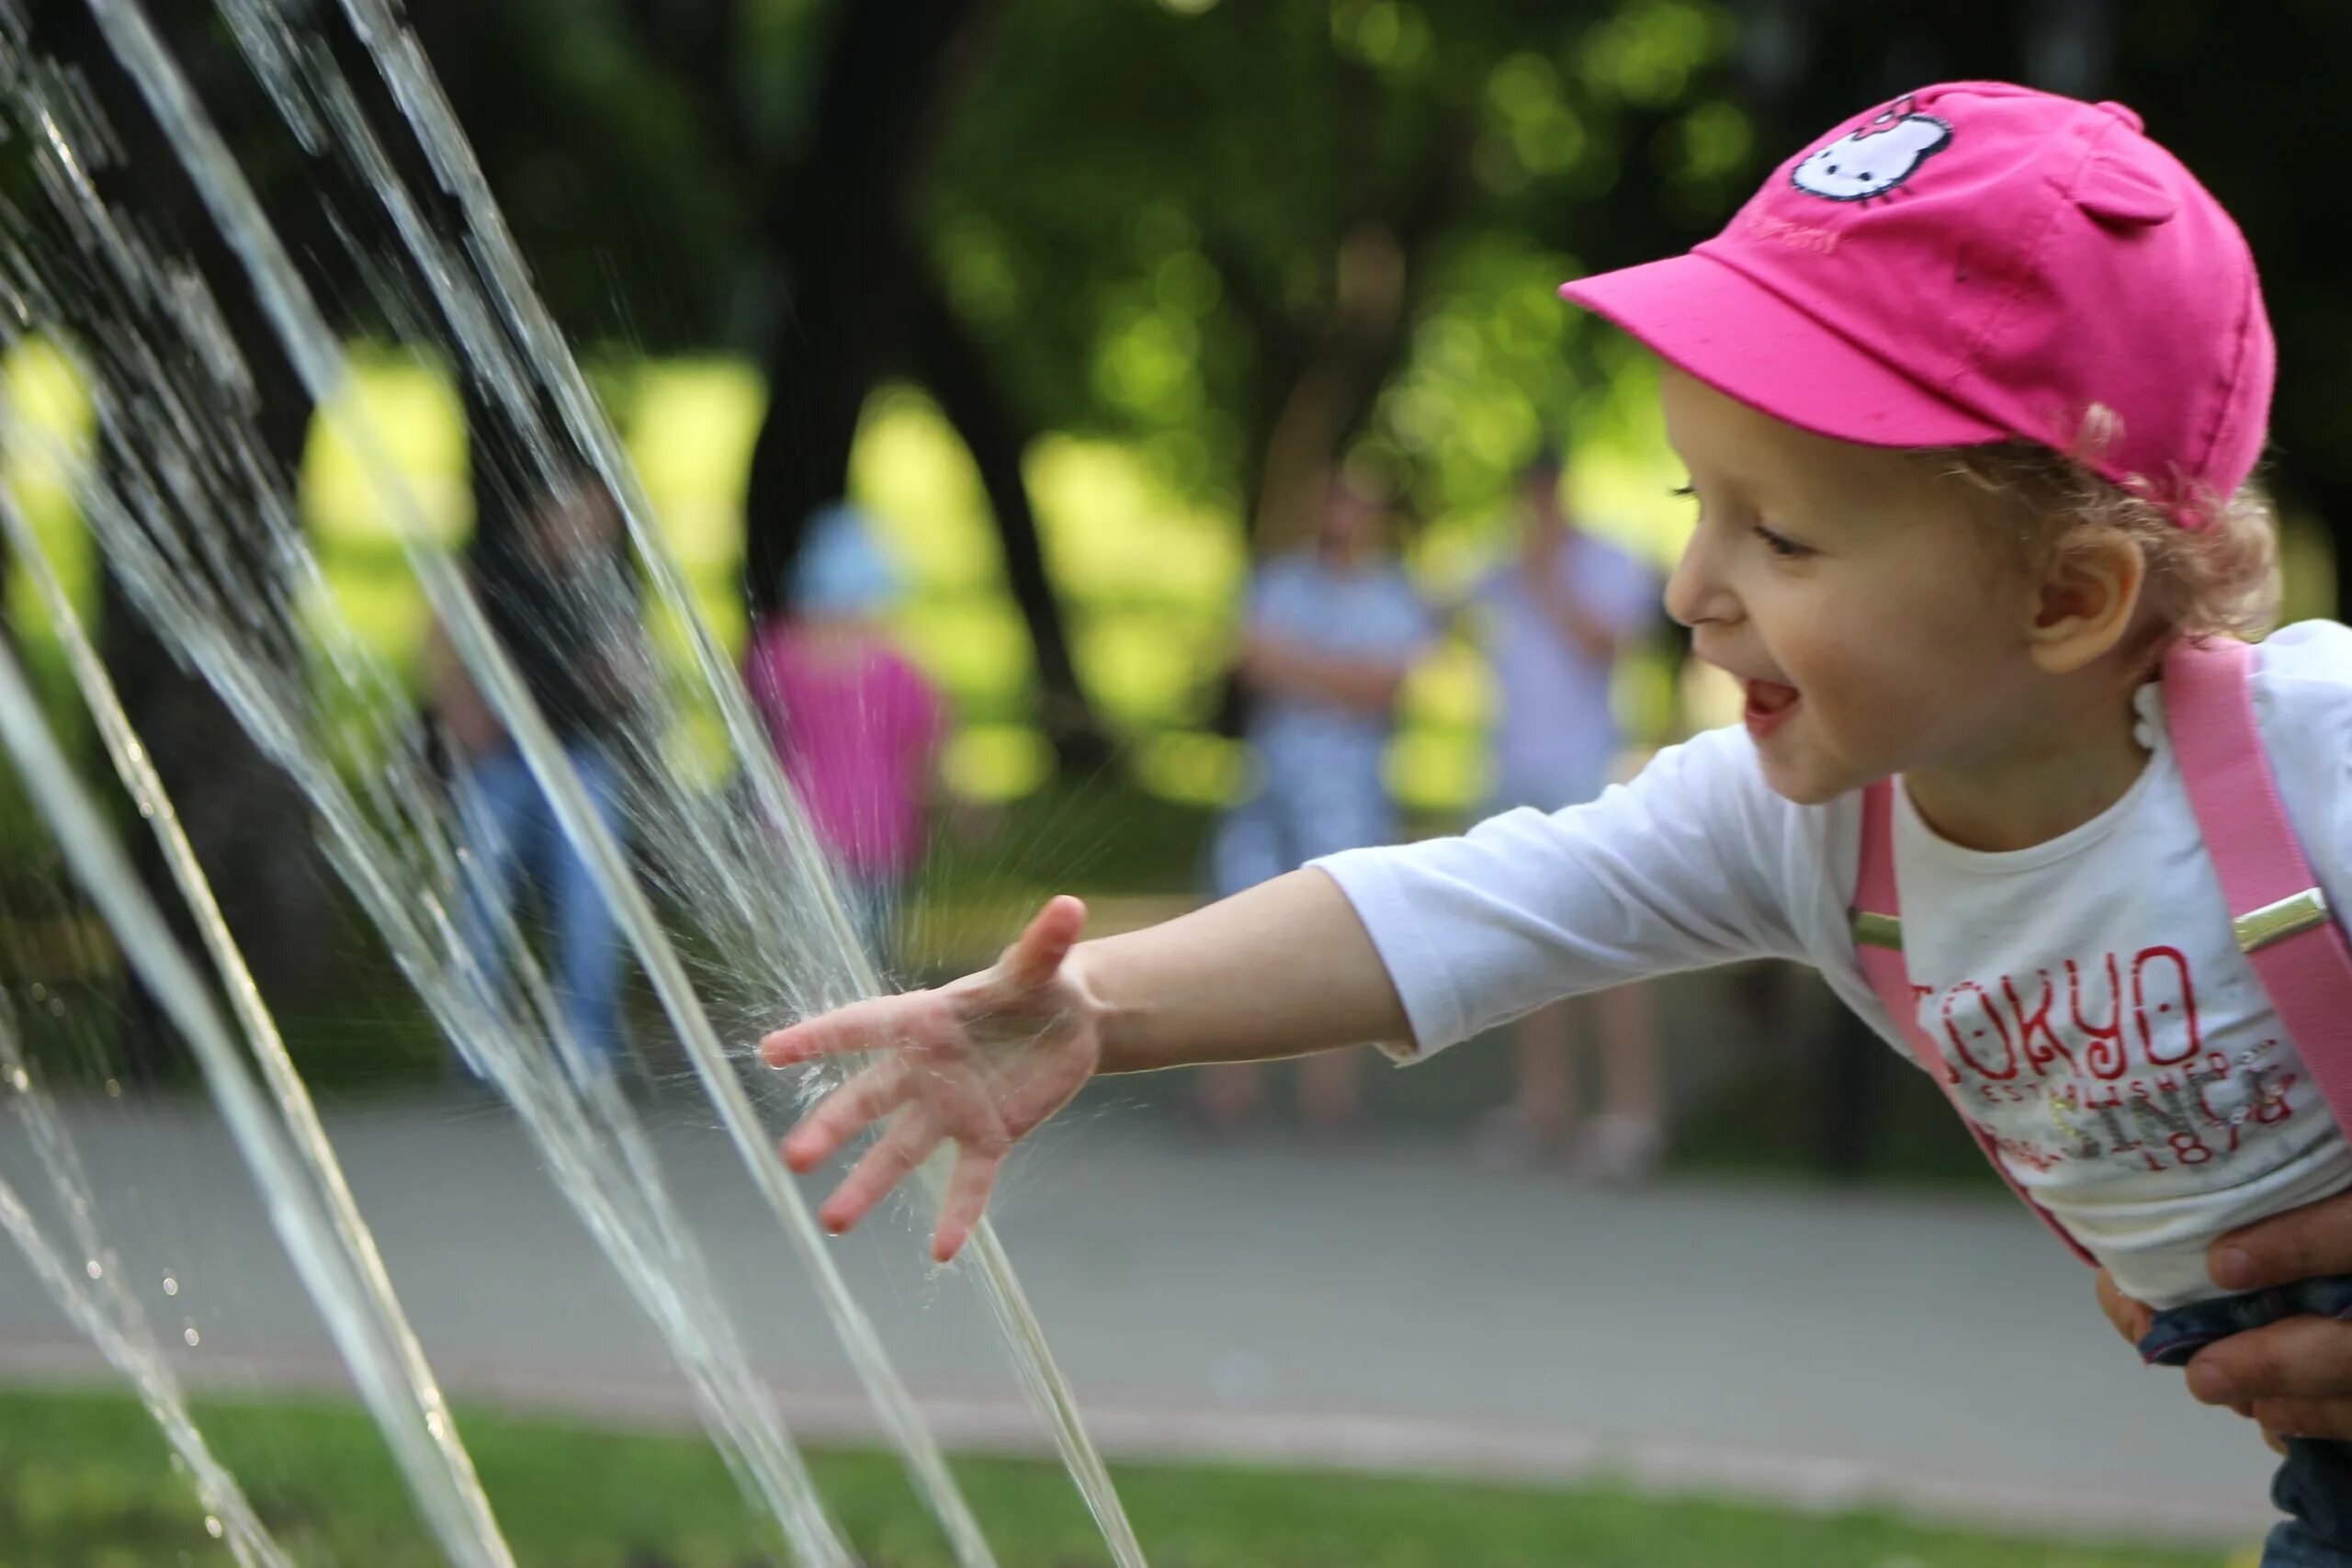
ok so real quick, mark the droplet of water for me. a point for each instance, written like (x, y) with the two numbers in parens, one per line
(190, 1335)
(57, 1007)
(22, 1080)
(171, 1286)
(41, 992)
(114, 1089)
(94, 1269)
(212, 1526)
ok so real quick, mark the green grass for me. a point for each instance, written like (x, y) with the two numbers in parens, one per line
(84, 1482)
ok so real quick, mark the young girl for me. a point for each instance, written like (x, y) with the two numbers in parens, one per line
(856, 726)
(1969, 395)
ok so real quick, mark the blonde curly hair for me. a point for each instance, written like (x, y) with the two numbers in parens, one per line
(2218, 579)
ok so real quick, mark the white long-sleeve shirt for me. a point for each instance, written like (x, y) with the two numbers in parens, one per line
(2088, 990)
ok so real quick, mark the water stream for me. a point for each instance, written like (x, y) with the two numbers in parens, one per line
(94, 1301)
(193, 520)
(364, 1325)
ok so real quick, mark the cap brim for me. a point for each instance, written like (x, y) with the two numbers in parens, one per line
(1747, 343)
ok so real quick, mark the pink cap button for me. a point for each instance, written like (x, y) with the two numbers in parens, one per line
(2119, 192)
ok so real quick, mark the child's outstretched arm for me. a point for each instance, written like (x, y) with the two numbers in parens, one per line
(1279, 970)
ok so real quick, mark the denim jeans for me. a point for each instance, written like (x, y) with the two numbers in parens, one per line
(512, 829)
(2313, 1488)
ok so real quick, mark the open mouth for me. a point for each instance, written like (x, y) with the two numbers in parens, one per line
(1770, 704)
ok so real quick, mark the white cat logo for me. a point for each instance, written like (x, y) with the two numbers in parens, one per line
(1874, 160)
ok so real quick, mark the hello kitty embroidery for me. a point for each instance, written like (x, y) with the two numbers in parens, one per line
(1875, 159)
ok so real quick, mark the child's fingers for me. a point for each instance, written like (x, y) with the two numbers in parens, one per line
(967, 1195)
(839, 1116)
(906, 1146)
(860, 1026)
(1039, 950)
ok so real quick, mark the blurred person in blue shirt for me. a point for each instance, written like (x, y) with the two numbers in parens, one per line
(1557, 617)
(1329, 636)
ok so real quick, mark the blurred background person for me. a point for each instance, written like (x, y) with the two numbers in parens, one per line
(856, 726)
(556, 589)
(1556, 619)
(1329, 636)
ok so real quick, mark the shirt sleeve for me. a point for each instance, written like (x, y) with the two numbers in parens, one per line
(1679, 870)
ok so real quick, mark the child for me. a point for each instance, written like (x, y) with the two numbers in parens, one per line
(856, 726)
(1969, 395)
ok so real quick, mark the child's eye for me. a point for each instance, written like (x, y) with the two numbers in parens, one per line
(1684, 492)
(1781, 545)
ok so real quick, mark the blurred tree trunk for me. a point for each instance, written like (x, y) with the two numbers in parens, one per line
(2321, 492)
(857, 306)
(2340, 536)
(837, 229)
(957, 375)
(1333, 390)
(1378, 269)
(243, 815)
(1323, 372)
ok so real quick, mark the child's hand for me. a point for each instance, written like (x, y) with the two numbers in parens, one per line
(981, 1062)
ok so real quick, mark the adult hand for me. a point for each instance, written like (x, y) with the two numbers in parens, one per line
(2295, 1377)
(2131, 1319)
(979, 1063)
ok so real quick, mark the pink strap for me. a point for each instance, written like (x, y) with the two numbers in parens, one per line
(2307, 973)
(1890, 977)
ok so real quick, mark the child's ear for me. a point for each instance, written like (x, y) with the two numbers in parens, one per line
(2087, 602)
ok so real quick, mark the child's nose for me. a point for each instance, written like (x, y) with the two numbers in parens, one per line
(1695, 593)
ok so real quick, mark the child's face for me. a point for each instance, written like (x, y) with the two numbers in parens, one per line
(1864, 608)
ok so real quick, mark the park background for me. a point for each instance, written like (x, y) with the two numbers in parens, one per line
(1077, 296)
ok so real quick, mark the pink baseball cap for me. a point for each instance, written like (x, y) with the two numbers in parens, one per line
(1973, 263)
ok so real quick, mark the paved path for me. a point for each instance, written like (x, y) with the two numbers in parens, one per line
(1381, 1306)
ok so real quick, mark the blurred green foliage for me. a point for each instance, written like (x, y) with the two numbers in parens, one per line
(1168, 225)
